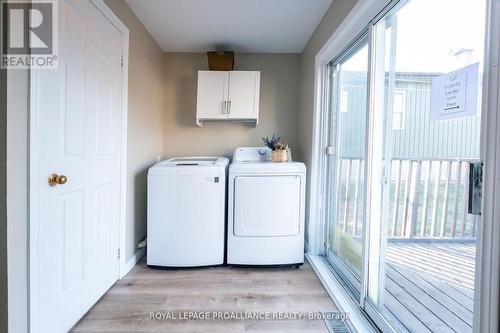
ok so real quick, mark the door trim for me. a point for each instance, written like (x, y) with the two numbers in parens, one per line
(34, 155)
(487, 290)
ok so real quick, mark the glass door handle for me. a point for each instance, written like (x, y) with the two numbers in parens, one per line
(224, 107)
(475, 187)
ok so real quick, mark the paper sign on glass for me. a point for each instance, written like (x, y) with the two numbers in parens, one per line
(454, 95)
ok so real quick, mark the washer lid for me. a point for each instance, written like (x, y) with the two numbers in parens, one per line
(191, 161)
(201, 161)
(209, 166)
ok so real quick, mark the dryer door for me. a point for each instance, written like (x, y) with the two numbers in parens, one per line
(266, 206)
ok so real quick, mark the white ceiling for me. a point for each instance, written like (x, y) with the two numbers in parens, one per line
(240, 25)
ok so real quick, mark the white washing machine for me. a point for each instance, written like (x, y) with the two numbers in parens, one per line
(186, 212)
(266, 207)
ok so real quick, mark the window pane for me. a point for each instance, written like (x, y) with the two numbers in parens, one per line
(425, 280)
(346, 219)
(399, 109)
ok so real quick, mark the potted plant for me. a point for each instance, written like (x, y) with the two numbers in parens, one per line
(279, 149)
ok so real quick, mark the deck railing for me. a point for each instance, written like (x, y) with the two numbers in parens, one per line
(427, 199)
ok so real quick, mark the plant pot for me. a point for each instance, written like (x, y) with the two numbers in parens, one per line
(279, 155)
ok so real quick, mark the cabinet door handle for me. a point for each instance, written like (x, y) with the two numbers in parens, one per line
(224, 107)
(229, 108)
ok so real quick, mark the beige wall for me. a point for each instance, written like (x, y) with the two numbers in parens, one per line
(329, 23)
(146, 102)
(279, 105)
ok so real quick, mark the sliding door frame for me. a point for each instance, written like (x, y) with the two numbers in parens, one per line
(364, 16)
(332, 181)
(486, 295)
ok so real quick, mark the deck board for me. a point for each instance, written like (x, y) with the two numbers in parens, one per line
(460, 306)
(407, 321)
(417, 308)
(437, 262)
(430, 285)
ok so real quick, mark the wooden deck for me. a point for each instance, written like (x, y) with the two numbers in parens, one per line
(429, 285)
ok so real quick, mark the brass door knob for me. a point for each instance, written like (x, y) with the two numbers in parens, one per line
(55, 179)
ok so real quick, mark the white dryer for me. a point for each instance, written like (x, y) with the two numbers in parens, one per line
(266, 207)
(186, 212)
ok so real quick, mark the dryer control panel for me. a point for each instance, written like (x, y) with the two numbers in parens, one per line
(252, 154)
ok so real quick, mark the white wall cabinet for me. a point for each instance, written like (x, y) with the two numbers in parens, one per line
(231, 95)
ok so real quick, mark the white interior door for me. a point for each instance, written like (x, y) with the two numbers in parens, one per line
(243, 94)
(212, 94)
(77, 133)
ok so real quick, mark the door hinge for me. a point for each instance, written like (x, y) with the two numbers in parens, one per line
(118, 253)
(121, 61)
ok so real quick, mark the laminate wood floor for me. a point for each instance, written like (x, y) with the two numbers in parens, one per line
(128, 305)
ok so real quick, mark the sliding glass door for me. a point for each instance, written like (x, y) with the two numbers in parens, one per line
(349, 86)
(405, 124)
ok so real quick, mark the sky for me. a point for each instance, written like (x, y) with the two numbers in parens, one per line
(437, 36)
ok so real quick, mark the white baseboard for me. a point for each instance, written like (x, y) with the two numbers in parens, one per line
(133, 261)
